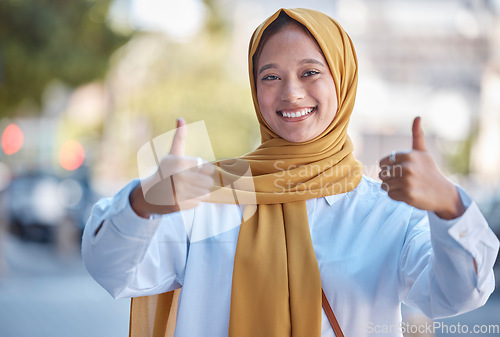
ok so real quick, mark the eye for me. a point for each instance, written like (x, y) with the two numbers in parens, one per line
(310, 73)
(270, 78)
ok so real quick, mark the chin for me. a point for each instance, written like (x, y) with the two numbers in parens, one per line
(298, 139)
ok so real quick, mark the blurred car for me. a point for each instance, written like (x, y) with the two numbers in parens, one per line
(39, 202)
(492, 214)
(491, 211)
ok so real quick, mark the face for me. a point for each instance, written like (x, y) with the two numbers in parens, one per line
(295, 89)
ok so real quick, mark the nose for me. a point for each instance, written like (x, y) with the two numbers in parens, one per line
(292, 91)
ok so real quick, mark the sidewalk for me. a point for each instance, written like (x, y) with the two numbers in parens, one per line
(45, 294)
(486, 319)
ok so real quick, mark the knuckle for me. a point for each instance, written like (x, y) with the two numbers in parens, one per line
(397, 171)
(409, 171)
(392, 194)
(382, 175)
(408, 184)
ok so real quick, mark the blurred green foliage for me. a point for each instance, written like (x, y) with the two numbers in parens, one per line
(216, 23)
(458, 156)
(153, 79)
(148, 79)
(198, 80)
(45, 40)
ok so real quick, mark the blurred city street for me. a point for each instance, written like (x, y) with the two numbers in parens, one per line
(85, 85)
(43, 293)
(48, 294)
(486, 317)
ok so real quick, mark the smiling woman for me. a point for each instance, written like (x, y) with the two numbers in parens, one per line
(295, 89)
(305, 245)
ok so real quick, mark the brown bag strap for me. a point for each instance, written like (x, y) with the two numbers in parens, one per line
(331, 315)
(161, 304)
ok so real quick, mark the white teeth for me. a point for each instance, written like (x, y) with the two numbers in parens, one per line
(298, 113)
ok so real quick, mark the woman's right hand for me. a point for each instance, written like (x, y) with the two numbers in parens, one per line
(179, 183)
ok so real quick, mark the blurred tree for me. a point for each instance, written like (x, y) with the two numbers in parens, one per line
(52, 39)
(197, 80)
(153, 79)
(459, 157)
(216, 22)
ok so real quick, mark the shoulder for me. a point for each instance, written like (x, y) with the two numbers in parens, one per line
(369, 196)
(369, 190)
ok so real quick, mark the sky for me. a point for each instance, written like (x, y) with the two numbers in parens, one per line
(179, 19)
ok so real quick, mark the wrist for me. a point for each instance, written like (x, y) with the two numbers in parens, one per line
(145, 209)
(453, 207)
(138, 203)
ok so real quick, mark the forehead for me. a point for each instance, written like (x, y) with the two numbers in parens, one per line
(292, 41)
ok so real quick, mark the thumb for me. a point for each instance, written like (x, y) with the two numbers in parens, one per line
(179, 142)
(418, 136)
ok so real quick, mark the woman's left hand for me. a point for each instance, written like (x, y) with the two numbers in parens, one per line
(413, 177)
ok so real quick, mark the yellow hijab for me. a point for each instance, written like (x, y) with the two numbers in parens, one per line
(276, 287)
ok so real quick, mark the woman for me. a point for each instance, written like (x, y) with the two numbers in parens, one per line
(248, 270)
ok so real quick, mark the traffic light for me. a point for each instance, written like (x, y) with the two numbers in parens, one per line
(12, 139)
(71, 155)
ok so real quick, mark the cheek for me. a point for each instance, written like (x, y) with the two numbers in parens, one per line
(264, 98)
(329, 95)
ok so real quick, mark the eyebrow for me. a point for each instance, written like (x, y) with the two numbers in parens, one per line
(304, 61)
(313, 61)
(267, 66)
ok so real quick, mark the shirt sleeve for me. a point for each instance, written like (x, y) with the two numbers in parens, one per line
(131, 256)
(437, 262)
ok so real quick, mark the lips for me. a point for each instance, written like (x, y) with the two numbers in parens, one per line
(296, 114)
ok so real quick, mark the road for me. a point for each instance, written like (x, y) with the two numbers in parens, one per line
(49, 294)
(46, 294)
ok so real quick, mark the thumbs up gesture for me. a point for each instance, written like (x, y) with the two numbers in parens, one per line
(179, 183)
(413, 177)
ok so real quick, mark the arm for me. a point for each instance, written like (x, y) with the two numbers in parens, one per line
(437, 272)
(129, 251)
(132, 256)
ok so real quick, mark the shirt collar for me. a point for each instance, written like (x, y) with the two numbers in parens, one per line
(331, 199)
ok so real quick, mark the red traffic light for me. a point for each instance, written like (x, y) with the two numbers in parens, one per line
(12, 139)
(71, 155)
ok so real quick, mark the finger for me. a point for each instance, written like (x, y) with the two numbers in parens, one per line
(384, 186)
(392, 185)
(194, 179)
(179, 142)
(207, 168)
(399, 158)
(397, 194)
(385, 173)
(384, 162)
(418, 136)
(188, 179)
(191, 192)
(396, 171)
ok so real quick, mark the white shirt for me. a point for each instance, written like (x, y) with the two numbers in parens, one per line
(373, 253)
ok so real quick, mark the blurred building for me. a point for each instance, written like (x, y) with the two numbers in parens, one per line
(422, 58)
(486, 155)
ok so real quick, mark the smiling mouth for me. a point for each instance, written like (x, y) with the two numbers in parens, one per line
(296, 115)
